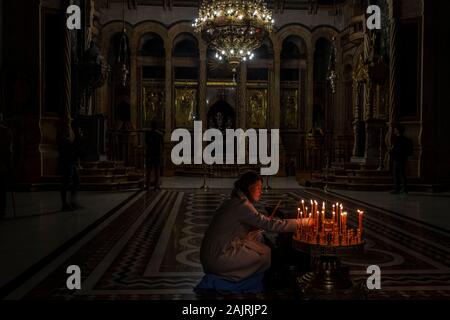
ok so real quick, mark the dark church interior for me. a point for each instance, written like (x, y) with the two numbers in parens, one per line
(97, 202)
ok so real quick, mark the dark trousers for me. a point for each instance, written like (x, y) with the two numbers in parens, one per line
(152, 165)
(400, 175)
(70, 182)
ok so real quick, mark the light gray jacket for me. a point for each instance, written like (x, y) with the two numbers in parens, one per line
(232, 247)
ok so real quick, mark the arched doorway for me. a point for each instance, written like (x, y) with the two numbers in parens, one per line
(221, 115)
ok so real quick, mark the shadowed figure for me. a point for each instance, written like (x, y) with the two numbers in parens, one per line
(153, 154)
(401, 149)
(69, 146)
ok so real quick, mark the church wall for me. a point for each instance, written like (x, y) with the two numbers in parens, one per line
(411, 12)
(21, 84)
(434, 137)
(1, 37)
(169, 17)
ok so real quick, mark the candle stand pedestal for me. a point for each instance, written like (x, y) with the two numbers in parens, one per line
(329, 280)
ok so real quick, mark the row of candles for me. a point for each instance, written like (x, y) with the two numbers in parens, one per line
(324, 230)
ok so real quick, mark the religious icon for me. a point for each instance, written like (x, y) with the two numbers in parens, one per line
(289, 107)
(153, 105)
(257, 109)
(185, 103)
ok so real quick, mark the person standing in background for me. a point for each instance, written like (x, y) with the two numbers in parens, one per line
(401, 149)
(153, 154)
(69, 152)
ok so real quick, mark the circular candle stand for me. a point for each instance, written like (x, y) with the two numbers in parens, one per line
(329, 280)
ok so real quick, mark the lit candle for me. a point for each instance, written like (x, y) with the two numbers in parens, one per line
(317, 221)
(309, 226)
(301, 224)
(360, 220)
(303, 205)
(332, 219)
(344, 222)
(337, 212)
(323, 218)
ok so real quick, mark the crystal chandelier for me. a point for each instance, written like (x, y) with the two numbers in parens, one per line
(234, 28)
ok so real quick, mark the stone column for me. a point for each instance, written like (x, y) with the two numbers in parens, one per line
(393, 72)
(202, 87)
(134, 73)
(66, 114)
(356, 117)
(241, 108)
(1, 34)
(168, 94)
(309, 91)
(276, 93)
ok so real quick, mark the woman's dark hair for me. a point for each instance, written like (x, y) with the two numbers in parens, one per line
(245, 181)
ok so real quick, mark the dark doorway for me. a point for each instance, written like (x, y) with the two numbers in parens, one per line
(221, 116)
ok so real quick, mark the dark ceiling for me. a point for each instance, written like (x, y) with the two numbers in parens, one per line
(273, 4)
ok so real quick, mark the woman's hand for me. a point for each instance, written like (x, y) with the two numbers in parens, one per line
(306, 222)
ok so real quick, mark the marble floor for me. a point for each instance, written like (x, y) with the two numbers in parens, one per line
(145, 245)
(39, 226)
(429, 208)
